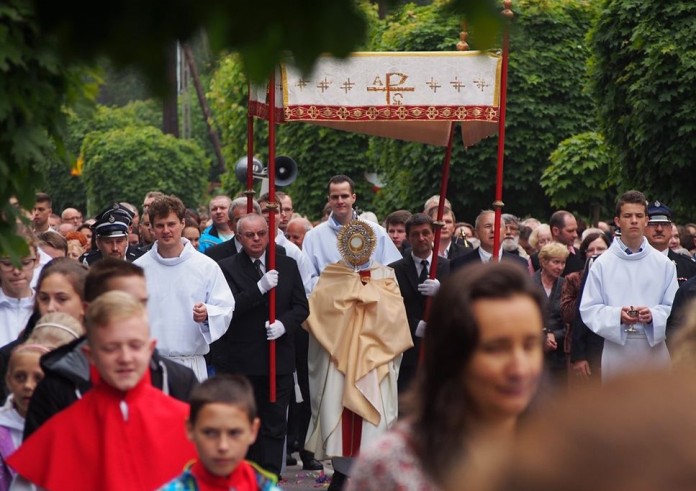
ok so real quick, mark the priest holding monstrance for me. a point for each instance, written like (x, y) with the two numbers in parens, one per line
(358, 333)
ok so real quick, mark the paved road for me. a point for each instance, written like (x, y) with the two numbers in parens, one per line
(294, 478)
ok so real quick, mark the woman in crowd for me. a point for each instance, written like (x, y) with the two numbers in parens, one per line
(60, 288)
(584, 346)
(540, 236)
(192, 233)
(482, 363)
(552, 259)
(86, 230)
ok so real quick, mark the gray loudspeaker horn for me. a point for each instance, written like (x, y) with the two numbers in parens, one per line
(285, 171)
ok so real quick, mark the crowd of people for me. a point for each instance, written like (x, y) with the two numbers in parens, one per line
(140, 340)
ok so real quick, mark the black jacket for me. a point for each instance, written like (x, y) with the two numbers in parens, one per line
(91, 257)
(66, 378)
(226, 249)
(473, 257)
(407, 276)
(244, 348)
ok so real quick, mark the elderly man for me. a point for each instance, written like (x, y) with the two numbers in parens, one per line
(245, 344)
(511, 240)
(71, 215)
(484, 228)
(659, 231)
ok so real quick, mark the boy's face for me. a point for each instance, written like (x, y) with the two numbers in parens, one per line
(222, 434)
(121, 351)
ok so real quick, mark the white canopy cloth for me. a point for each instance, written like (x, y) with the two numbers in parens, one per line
(411, 96)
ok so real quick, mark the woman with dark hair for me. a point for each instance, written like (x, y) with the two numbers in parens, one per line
(482, 364)
(584, 346)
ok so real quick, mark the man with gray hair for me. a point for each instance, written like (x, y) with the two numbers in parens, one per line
(511, 239)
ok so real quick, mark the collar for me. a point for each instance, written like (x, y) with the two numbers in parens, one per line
(625, 248)
(262, 259)
(487, 256)
(242, 478)
(418, 260)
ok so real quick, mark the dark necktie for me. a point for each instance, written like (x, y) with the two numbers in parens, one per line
(257, 265)
(424, 271)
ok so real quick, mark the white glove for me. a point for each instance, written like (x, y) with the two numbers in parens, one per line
(420, 329)
(429, 287)
(275, 330)
(268, 281)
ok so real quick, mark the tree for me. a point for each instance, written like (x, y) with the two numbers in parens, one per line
(62, 179)
(580, 175)
(643, 70)
(546, 104)
(124, 164)
(34, 88)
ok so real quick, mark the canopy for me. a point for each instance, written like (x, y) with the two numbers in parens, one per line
(413, 96)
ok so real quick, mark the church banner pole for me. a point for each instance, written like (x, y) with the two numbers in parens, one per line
(498, 203)
(272, 207)
(249, 193)
(438, 224)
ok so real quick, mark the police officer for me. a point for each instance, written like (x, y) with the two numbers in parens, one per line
(658, 233)
(110, 231)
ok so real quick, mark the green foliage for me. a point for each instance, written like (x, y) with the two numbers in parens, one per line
(124, 164)
(319, 152)
(126, 31)
(546, 104)
(580, 174)
(643, 73)
(34, 87)
(69, 190)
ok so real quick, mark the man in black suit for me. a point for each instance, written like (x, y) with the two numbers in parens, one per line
(416, 285)
(658, 232)
(238, 208)
(244, 347)
(484, 228)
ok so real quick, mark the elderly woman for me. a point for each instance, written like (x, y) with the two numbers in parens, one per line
(540, 236)
(552, 259)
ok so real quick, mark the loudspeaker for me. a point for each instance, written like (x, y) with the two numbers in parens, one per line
(285, 170)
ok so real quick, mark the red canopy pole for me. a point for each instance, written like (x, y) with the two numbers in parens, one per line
(272, 207)
(498, 203)
(250, 156)
(438, 224)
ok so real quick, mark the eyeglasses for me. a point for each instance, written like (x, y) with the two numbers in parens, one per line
(260, 234)
(6, 265)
